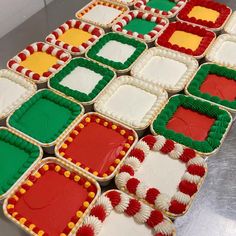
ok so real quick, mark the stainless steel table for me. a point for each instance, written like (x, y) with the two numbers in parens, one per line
(213, 212)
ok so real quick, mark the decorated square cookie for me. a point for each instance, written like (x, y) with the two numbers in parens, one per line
(39, 61)
(52, 200)
(116, 213)
(75, 36)
(187, 38)
(162, 173)
(82, 79)
(216, 84)
(194, 123)
(210, 14)
(165, 68)
(131, 101)
(97, 145)
(45, 116)
(14, 90)
(117, 51)
(17, 156)
(141, 25)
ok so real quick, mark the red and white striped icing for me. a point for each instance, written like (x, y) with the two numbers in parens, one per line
(161, 25)
(62, 56)
(96, 33)
(124, 204)
(195, 171)
(141, 4)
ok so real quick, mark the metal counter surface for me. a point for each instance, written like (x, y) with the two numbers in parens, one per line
(213, 212)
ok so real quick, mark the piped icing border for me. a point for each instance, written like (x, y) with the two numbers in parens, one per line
(194, 85)
(161, 98)
(118, 66)
(34, 151)
(179, 203)
(27, 84)
(85, 99)
(62, 56)
(216, 134)
(208, 38)
(91, 5)
(211, 55)
(49, 164)
(223, 10)
(129, 3)
(121, 203)
(189, 61)
(161, 24)
(86, 119)
(230, 25)
(142, 5)
(96, 33)
(76, 108)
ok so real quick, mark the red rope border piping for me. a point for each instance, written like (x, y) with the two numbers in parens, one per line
(189, 185)
(96, 32)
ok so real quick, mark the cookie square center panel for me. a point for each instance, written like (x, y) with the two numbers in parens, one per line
(164, 5)
(82, 79)
(75, 37)
(191, 123)
(120, 51)
(219, 86)
(158, 69)
(204, 13)
(39, 62)
(185, 39)
(140, 26)
(130, 102)
(226, 52)
(168, 172)
(102, 14)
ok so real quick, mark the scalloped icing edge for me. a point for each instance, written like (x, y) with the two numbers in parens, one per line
(20, 80)
(161, 99)
(211, 55)
(189, 61)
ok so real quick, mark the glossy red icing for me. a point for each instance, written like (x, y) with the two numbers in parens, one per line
(191, 123)
(219, 86)
(51, 202)
(96, 147)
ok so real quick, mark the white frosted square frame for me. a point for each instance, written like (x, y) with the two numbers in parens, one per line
(223, 51)
(165, 68)
(81, 79)
(230, 27)
(126, 97)
(14, 90)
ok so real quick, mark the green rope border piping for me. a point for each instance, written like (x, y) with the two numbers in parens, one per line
(140, 47)
(73, 107)
(195, 84)
(216, 132)
(107, 74)
(32, 150)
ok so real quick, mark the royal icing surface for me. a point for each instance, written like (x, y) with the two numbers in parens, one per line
(81, 79)
(116, 51)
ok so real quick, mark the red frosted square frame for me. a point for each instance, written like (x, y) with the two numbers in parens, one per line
(27, 186)
(208, 38)
(110, 160)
